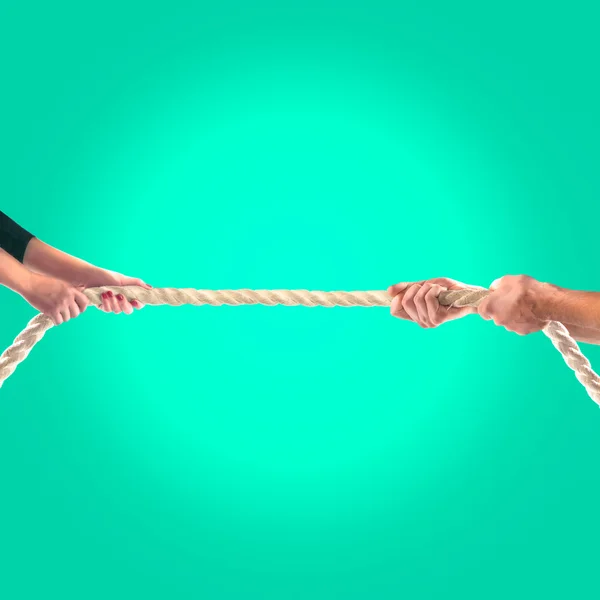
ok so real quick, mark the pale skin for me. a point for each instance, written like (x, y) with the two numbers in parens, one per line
(518, 303)
(53, 281)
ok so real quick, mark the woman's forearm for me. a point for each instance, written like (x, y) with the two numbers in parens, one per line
(50, 279)
(43, 258)
(13, 274)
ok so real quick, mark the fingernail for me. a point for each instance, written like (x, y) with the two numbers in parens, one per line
(134, 303)
(109, 294)
(120, 297)
(104, 295)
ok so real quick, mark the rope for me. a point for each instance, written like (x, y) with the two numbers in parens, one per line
(37, 327)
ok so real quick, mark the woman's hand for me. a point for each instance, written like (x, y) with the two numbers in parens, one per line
(418, 302)
(59, 300)
(111, 302)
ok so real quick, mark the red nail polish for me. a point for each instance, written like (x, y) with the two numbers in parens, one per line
(119, 297)
(104, 295)
(110, 294)
(134, 303)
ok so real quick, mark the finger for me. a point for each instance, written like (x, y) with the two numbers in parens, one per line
(457, 313)
(447, 282)
(434, 312)
(137, 281)
(57, 318)
(74, 309)
(396, 308)
(421, 305)
(137, 304)
(394, 290)
(105, 302)
(521, 329)
(483, 310)
(113, 303)
(82, 301)
(408, 302)
(65, 314)
(496, 283)
(124, 304)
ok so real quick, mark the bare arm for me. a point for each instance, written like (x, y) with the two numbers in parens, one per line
(578, 311)
(518, 303)
(581, 334)
(55, 298)
(13, 274)
(52, 280)
(43, 258)
(47, 260)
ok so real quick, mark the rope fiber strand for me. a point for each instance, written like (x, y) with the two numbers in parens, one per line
(37, 327)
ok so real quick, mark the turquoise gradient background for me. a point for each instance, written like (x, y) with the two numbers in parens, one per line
(260, 453)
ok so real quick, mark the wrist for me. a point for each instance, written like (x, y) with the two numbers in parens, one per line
(96, 276)
(46, 260)
(547, 300)
(26, 283)
(87, 275)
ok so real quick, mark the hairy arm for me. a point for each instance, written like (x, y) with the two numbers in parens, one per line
(578, 311)
(517, 302)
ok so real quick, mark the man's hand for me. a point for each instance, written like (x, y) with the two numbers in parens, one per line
(518, 303)
(419, 302)
(55, 298)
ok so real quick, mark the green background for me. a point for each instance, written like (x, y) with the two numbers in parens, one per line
(279, 452)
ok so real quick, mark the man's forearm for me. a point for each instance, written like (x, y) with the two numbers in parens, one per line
(42, 258)
(579, 311)
(581, 334)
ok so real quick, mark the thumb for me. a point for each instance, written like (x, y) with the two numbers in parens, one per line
(394, 290)
(496, 283)
(137, 281)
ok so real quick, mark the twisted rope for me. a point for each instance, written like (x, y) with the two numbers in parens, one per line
(37, 327)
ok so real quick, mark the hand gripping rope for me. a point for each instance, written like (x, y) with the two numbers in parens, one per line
(37, 327)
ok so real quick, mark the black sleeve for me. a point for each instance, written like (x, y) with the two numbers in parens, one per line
(13, 238)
